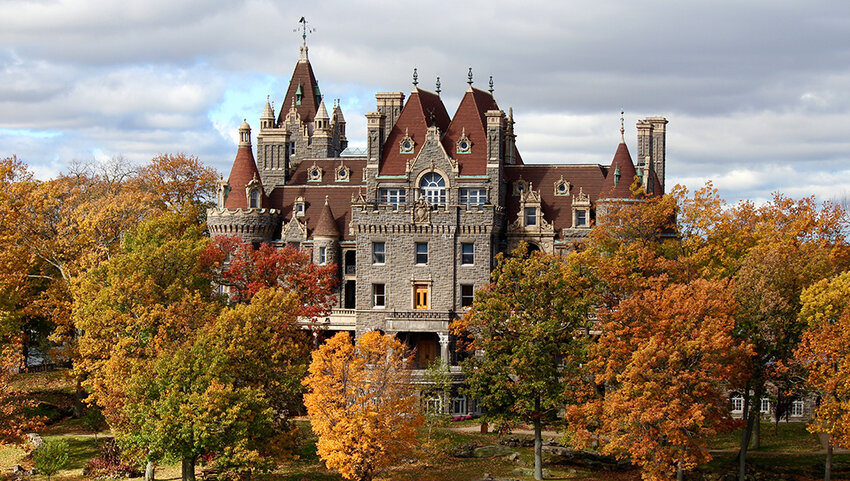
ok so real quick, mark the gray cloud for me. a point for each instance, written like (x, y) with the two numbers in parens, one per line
(755, 91)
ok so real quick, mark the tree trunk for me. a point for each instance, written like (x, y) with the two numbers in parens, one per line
(538, 442)
(188, 466)
(79, 405)
(757, 428)
(745, 436)
(149, 471)
(680, 473)
(827, 471)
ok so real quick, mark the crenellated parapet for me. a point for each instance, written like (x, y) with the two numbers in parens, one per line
(251, 225)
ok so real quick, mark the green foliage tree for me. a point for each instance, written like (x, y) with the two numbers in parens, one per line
(50, 457)
(529, 323)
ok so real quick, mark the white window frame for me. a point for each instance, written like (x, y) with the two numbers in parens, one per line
(323, 255)
(392, 196)
(379, 252)
(473, 196)
(420, 253)
(583, 222)
(798, 408)
(432, 188)
(379, 295)
(764, 408)
(464, 256)
(529, 215)
(737, 401)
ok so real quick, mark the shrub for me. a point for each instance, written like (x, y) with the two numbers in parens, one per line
(108, 464)
(50, 457)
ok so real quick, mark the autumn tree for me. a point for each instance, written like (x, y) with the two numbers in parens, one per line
(665, 358)
(529, 325)
(246, 270)
(15, 421)
(361, 403)
(179, 183)
(825, 352)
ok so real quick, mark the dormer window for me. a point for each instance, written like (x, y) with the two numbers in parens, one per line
(342, 172)
(520, 186)
(530, 216)
(464, 145)
(254, 199)
(299, 208)
(314, 173)
(562, 187)
(407, 144)
(299, 94)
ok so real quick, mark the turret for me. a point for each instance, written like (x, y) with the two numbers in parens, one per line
(242, 208)
(326, 237)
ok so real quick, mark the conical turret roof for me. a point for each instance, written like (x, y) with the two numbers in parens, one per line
(621, 174)
(326, 226)
(244, 170)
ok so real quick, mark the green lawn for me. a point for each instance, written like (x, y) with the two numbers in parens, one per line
(784, 437)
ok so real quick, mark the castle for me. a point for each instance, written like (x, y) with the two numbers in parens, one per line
(415, 223)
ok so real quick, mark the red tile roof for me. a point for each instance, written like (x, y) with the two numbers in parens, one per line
(471, 119)
(338, 194)
(244, 169)
(622, 161)
(303, 76)
(326, 225)
(556, 209)
(423, 109)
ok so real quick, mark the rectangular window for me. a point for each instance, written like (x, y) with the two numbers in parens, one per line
(421, 252)
(473, 197)
(379, 298)
(765, 405)
(467, 254)
(392, 197)
(466, 295)
(323, 255)
(530, 216)
(420, 296)
(292, 148)
(581, 218)
(737, 403)
(378, 253)
(797, 408)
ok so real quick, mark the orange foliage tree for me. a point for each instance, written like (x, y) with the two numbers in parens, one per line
(666, 356)
(825, 352)
(361, 403)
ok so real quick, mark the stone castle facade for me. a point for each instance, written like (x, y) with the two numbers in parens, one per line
(414, 223)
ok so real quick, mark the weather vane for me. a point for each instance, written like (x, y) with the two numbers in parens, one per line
(438, 85)
(622, 127)
(469, 76)
(304, 29)
(491, 85)
(415, 77)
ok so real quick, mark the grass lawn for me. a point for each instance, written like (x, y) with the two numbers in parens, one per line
(784, 437)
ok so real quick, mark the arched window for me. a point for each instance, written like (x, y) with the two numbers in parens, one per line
(255, 200)
(432, 188)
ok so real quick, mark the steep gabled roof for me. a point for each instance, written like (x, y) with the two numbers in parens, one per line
(470, 119)
(302, 78)
(423, 109)
(243, 171)
(621, 174)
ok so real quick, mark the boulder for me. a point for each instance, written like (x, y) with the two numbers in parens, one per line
(492, 451)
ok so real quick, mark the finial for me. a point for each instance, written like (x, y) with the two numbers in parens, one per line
(326, 200)
(438, 86)
(304, 31)
(415, 77)
(622, 128)
(491, 85)
(469, 76)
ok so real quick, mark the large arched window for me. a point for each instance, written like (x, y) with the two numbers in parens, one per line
(432, 188)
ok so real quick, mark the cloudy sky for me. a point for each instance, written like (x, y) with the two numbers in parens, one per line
(757, 92)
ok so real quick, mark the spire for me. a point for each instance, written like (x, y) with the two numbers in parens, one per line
(268, 111)
(304, 31)
(622, 128)
(322, 114)
(244, 170)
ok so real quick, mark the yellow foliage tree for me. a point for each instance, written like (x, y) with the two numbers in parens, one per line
(361, 403)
